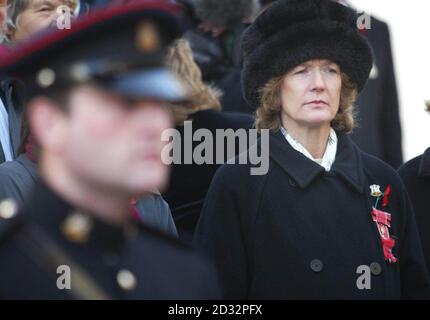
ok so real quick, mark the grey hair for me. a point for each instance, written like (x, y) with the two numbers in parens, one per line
(16, 7)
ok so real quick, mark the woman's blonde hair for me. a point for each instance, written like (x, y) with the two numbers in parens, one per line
(181, 62)
(268, 114)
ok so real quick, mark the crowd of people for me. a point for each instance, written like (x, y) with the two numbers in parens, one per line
(90, 210)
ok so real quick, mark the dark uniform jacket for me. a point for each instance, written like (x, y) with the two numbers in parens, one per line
(18, 178)
(416, 176)
(300, 232)
(105, 261)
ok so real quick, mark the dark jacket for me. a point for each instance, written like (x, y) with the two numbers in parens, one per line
(379, 131)
(12, 95)
(19, 177)
(40, 238)
(300, 232)
(416, 176)
(190, 182)
(220, 60)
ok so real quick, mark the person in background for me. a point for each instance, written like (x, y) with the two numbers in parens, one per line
(189, 182)
(416, 175)
(3, 5)
(26, 17)
(11, 106)
(18, 20)
(379, 131)
(215, 41)
(97, 120)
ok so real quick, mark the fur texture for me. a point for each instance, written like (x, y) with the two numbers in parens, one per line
(225, 13)
(291, 32)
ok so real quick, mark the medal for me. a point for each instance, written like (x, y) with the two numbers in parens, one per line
(383, 221)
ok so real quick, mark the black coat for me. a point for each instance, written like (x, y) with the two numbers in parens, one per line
(34, 243)
(379, 131)
(12, 95)
(189, 182)
(221, 66)
(416, 176)
(300, 232)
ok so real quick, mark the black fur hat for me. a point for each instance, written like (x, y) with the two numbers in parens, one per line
(290, 32)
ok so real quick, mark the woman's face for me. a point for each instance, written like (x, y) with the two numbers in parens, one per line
(310, 94)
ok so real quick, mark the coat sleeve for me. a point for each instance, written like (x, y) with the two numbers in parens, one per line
(155, 213)
(219, 233)
(10, 187)
(415, 282)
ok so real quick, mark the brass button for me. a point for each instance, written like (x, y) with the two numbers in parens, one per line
(147, 37)
(77, 227)
(292, 183)
(45, 78)
(8, 209)
(126, 280)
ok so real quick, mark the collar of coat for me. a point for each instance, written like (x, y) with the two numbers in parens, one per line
(424, 169)
(348, 163)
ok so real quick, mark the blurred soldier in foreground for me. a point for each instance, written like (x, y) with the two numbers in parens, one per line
(18, 177)
(97, 112)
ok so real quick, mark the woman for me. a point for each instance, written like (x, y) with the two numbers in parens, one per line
(327, 220)
(189, 182)
(416, 177)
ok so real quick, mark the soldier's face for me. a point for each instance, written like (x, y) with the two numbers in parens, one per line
(111, 143)
(39, 15)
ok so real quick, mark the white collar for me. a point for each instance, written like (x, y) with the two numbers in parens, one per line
(329, 154)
